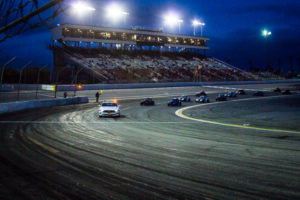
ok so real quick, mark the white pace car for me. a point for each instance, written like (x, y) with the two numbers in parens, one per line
(109, 109)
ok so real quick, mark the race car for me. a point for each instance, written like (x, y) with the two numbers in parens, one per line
(277, 90)
(109, 109)
(185, 98)
(258, 93)
(202, 93)
(174, 102)
(202, 99)
(286, 92)
(221, 97)
(231, 94)
(147, 102)
(241, 92)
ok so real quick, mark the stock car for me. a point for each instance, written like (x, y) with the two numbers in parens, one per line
(185, 98)
(202, 99)
(241, 92)
(174, 102)
(147, 102)
(109, 109)
(277, 90)
(202, 93)
(231, 94)
(258, 93)
(221, 97)
(286, 92)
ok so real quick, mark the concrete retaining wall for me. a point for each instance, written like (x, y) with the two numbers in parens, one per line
(172, 84)
(24, 105)
(147, 85)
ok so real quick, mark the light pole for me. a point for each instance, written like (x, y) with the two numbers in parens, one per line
(266, 34)
(201, 25)
(197, 23)
(3, 68)
(58, 73)
(38, 80)
(76, 79)
(20, 78)
(115, 12)
(179, 21)
(172, 19)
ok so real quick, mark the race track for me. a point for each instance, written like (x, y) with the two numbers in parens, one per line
(151, 153)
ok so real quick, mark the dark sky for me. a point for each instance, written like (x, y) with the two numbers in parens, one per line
(233, 26)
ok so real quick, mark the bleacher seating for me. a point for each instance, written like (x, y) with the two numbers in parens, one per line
(144, 68)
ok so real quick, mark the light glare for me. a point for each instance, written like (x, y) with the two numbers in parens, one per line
(197, 23)
(115, 12)
(266, 33)
(81, 8)
(172, 19)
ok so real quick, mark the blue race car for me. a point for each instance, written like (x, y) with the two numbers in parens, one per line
(258, 93)
(221, 97)
(174, 102)
(147, 102)
(231, 94)
(202, 99)
(185, 98)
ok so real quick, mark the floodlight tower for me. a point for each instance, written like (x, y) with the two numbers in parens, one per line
(179, 21)
(81, 8)
(172, 19)
(115, 12)
(197, 23)
(266, 34)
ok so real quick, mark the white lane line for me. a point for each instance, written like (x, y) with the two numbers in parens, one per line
(232, 88)
(180, 114)
(92, 122)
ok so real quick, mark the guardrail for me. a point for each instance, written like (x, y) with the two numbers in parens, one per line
(160, 85)
(24, 105)
(148, 85)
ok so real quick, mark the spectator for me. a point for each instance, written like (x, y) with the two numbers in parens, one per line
(97, 97)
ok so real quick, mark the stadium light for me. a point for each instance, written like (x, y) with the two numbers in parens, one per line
(81, 8)
(172, 19)
(266, 33)
(115, 12)
(197, 23)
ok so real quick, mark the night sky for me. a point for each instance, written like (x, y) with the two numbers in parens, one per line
(233, 26)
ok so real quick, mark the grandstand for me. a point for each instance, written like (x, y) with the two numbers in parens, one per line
(113, 55)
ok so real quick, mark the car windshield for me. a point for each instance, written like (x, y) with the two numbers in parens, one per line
(109, 105)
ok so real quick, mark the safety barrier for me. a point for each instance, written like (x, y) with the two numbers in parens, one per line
(169, 84)
(24, 105)
(150, 85)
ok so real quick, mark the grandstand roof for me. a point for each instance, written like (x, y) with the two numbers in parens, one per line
(85, 33)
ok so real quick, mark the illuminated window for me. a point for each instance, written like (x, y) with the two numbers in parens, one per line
(134, 37)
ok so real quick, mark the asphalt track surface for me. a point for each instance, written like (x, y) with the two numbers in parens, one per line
(150, 153)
